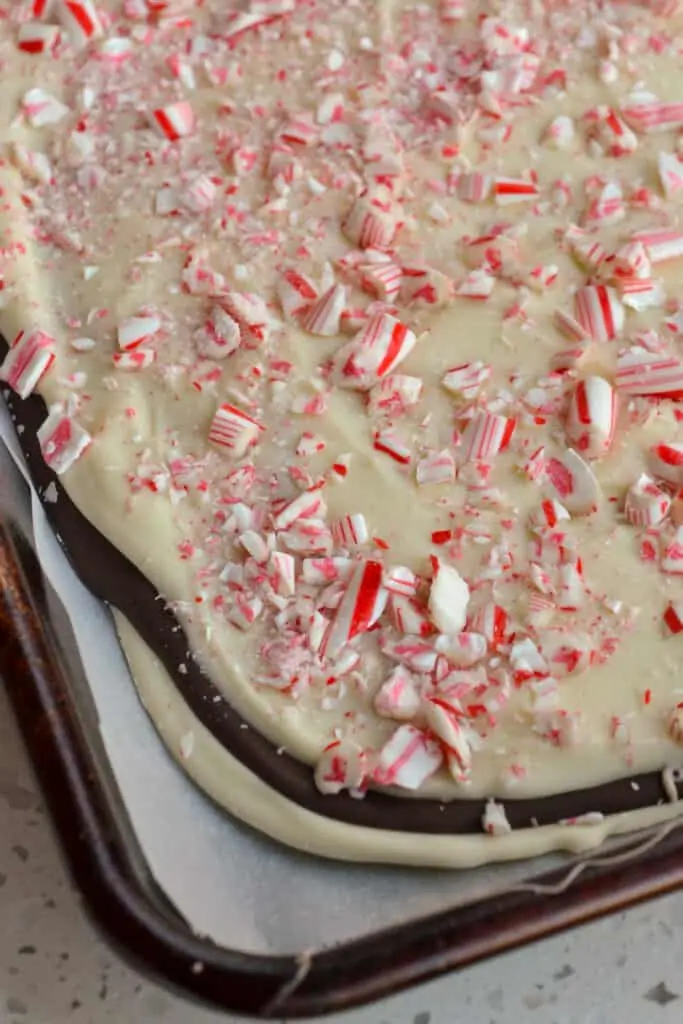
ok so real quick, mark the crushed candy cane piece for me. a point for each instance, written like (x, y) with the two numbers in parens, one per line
(666, 461)
(408, 759)
(486, 435)
(463, 650)
(136, 329)
(29, 358)
(375, 351)
(175, 120)
(398, 697)
(80, 20)
(372, 221)
(646, 504)
(494, 819)
(467, 380)
(234, 430)
(323, 315)
(591, 419)
(360, 607)
(350, 531)
(342, 765)
(641, 373)
(599, 312)
(42, 108)
(62, 441)
(574, 482)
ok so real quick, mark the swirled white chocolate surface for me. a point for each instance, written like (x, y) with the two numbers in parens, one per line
(359, 328)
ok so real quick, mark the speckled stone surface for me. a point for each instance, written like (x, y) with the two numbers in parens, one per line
(54, 968)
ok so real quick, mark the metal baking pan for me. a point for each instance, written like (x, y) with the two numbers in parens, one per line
(57, 718)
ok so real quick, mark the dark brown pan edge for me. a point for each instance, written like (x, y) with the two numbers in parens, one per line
(111, 577)
(102, 861)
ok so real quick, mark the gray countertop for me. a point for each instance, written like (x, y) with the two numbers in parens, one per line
(54, 968)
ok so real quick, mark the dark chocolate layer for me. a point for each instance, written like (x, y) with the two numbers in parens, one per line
(113, 579)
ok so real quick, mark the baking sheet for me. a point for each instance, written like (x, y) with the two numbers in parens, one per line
(231, 884)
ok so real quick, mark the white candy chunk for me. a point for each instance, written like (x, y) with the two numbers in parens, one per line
(342, 765)
(462, 650)
(448, 600)
(494, 820)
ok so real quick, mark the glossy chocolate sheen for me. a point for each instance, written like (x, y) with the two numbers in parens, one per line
(111, 577)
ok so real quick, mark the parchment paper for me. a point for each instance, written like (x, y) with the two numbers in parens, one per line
(239, 888)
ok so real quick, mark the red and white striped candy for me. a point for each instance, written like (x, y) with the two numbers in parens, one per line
(673, 618)
(641, 373)
(463, 650)
(662, 244)
(485, 435)
(646, 114)
(383, 280)
(548, 514)
(139, 359)
(513, 190)
(342, 765)
(300, 130)
(361, 606)
(34, 37)
(41, 8)
(387, 441)
(599, 311)
(372, 221)
(436, 468)
(42, 108)
(80, 20)
(425, 286)
(449, 597)
(28, 360)
(631, 260)
(408, 616)
(466, 381)
(474, 187)
(136, 329)
(670, 169)
(400, 580)
(671, 560)
(591, 419)
(62, 441)
(395, 394)
(452, 10)
(666, 461)
(219, 337)
(408, 759)
(350, 531)
(398, 697)
(478, 284)
(323, 315)
(326, 570)
(375, 351)
(574, 482)
(446, 720)
(250, 312)
(175, 120)
(200, 194)
(640, 294)
(491, 621)
(646, 504)
(570, 326)
(306, 505)
(296, 292)
(233, 429)
(611, 131)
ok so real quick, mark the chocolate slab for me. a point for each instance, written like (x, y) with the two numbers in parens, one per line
(117, 582)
